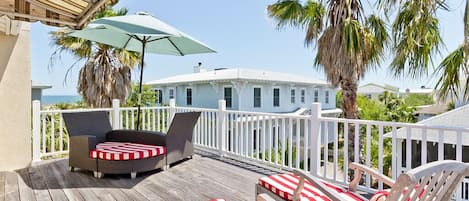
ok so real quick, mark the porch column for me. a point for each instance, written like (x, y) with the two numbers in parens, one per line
(15, 97)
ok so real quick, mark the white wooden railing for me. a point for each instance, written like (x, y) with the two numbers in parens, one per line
(312, 143)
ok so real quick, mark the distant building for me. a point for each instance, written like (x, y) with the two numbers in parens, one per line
(36, 90)
(373, 91)
(246, 90)
(454, 118)
(427, 111)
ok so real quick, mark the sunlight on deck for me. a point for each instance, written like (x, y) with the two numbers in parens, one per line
(202, 178)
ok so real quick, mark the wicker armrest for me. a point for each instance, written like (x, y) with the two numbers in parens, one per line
(134, 136)
(81, 143)
(360, 169)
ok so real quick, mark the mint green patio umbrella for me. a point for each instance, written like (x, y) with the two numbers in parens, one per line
(141, 33)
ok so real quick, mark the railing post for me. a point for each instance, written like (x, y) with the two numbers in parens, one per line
(221, 126)
(315, 148)
(172, 110)
(116, 114)
(36, 114)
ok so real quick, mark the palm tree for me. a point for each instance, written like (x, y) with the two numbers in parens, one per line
(106, 74)
(348, 43)
(417, 39)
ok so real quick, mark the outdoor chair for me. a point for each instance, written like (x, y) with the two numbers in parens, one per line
(433, 181)
(96, 147)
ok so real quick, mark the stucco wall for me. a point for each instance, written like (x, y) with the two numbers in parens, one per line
(15, 100)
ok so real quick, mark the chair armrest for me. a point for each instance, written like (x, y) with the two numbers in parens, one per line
(360, 169)
(80, 143)
(135, 136)
(332, 195)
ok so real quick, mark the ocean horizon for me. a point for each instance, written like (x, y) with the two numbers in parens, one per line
(54, 99)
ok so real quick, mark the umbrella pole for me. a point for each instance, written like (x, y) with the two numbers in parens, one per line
(139, 102)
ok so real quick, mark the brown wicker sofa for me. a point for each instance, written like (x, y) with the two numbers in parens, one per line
(89, 130)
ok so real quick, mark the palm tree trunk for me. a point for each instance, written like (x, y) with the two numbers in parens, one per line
(350, 110)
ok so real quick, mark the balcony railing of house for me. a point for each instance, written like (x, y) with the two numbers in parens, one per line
(312, 143)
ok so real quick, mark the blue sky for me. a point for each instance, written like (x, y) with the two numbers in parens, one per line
(242, 34)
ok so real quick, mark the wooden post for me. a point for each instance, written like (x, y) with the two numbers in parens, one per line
(116, 114)
(36, 110)
(221, 126)
(315, 138)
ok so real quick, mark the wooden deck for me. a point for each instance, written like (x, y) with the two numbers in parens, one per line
(203, 178)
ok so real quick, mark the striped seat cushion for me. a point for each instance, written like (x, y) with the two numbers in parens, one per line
(118, 151)
(284, 185)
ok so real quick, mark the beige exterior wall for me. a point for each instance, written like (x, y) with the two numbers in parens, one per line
(15, 100)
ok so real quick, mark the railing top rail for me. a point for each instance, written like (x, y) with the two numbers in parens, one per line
(76, 110)
(269, 114)
(143, 108)
(396, 124)
(198, 109)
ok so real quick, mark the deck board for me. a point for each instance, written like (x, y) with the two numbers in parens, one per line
(24, 183)
(202, 178)
(11, 187)
(2, 186)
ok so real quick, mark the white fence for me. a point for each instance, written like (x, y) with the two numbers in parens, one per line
(315, 144)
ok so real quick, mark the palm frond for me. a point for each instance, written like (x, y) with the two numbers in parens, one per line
(452, 70)
(312, 21)
(286, 13)
(416, 40)
(376, 40)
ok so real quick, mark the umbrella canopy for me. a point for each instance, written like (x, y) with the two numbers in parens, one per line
(141, 33)
(128, 32)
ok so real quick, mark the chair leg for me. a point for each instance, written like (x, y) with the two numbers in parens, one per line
(133, 175)
(98, 175)
(71, 168)
(164, 168)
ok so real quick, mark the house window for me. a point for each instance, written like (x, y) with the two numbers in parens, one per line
(292, 94)
(316, 96)
(228, 96)
(171, 93)
(159, 96)
(276, 97)
(326, 97)
(303, 94)
(188, 96)
(257, 97)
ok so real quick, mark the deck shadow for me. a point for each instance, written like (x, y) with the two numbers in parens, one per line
(54, 174)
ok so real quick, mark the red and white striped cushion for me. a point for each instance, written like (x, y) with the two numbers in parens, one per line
(284, 185)
(118, 151)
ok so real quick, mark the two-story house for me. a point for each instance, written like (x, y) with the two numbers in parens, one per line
(245, 90)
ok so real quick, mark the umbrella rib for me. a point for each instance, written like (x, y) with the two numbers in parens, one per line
(182, 54)
(158, 39)
(126, 43)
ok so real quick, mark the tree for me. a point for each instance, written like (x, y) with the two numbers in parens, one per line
(417, 38)
(348, 44)
(419, 99)
(106, 73)
(148, 96)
